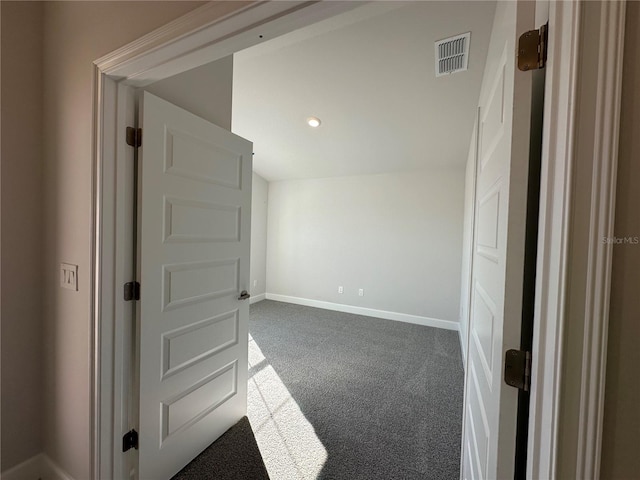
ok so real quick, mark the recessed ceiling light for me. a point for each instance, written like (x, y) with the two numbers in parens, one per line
(313, 122)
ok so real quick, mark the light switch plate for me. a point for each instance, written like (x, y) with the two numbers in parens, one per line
(69, 276)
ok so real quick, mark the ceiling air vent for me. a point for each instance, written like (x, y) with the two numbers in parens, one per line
(452, 54)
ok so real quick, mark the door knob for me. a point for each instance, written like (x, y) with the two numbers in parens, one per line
(244, 295)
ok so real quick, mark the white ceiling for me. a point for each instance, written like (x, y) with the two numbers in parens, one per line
(369, 76)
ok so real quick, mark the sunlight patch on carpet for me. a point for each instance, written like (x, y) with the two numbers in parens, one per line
(287, 441)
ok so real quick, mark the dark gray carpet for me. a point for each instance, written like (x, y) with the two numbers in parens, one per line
(340, 396)
(234, 456)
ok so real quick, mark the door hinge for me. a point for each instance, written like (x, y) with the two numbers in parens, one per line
(517, 369)
(532, 49)
(130, 440)
(134, 137)
(131, 291)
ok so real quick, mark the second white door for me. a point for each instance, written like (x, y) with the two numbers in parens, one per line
(490, 407)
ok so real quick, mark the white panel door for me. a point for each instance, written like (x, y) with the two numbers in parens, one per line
(193, 257)
(490, 405)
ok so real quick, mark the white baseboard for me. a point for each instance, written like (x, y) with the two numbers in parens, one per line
(257, 298)
(369, 312)
(39, 466)
(30, 469)
(52, 471)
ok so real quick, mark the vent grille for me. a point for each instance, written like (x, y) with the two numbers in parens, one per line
(452, 54)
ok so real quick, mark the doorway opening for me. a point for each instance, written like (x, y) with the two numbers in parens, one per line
(357, 230)
(415, 143)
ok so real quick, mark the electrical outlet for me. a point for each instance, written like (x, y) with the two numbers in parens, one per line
(361, 292)
(69, 276)
(340, 289)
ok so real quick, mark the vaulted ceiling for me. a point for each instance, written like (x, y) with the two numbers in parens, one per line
(369, 76)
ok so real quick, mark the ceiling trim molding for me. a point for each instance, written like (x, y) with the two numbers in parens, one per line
(209, 33)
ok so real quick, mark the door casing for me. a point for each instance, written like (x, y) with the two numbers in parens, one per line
(218, 29)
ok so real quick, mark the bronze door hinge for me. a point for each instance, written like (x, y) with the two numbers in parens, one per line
(532, 49)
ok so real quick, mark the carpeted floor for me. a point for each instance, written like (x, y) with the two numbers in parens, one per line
(340, 396)
(234, 456)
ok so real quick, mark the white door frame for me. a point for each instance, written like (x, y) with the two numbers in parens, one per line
(219, 29)
(552, 349)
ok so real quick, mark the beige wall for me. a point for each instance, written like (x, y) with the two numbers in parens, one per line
(75, 34)
(21, 174)
(620, 451)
